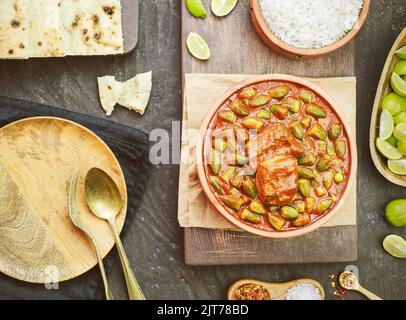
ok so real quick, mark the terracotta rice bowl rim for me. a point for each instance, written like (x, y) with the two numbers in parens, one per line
(201, 171)
(257, 15)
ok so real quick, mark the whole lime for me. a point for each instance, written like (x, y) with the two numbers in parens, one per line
(396, 212)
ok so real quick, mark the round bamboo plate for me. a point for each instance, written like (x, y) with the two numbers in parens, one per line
(384, 88)
(38, 241)
(292, 52)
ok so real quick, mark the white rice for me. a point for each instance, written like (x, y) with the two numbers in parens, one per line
(311, 24)
(303, 291)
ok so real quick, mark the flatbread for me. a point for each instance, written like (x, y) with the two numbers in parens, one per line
(14, 29)
(136, 92)
(45, 29)
(109, 91)
(133, 94)
(92, 27)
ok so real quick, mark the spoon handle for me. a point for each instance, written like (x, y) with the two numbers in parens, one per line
(134, 289)
(368, 294)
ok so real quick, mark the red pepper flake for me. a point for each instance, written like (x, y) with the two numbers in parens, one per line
(339, 292)
(251, 291)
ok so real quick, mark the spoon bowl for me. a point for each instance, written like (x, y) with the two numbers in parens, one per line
(102, 194)
(348, 280)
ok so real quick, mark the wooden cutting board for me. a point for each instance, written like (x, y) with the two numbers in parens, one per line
(37, 238)
(236, 48)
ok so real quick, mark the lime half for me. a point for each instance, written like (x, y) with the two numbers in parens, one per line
(197, 46)
(400, 132)
(401, 53)
(400, 68)
(386, 125)
(398, 84)
(222, 8)
(397, 166)
(387, 150)
(196, 8)
(395, 245)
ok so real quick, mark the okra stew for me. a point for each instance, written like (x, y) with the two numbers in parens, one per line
(277, 156)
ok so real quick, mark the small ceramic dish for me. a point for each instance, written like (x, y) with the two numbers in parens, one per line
(292, 52)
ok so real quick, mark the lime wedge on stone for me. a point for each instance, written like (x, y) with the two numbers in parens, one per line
(196, 8)
(400, 68)
(395, 245)
(387, 150)
(386, 125)
(401, 53)
(397, 166)
(197, 46)
(222, 8)
(400, 132)
(398, 84)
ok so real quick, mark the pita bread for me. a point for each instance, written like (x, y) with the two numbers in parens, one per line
(13, 29)
(136, 92)
(109, 91)
(92, 27)
(45, 29)
(133, 94)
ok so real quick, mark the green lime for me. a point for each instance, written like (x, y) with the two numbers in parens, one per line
(402, 147)
(400, 132)
(398, 84)
(400, 68)
(392, 140)
(386, 125)
(401, 53)
(222, 8)
(387, 150)
(196, 8)
(394, 103)
(400, 118)
(395, 245)
(397, 166)
(197, 46)
(395, 212)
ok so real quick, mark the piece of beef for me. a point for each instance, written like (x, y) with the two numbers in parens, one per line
(273, 140)
(277, 180)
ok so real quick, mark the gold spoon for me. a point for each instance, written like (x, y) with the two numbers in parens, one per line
(104, 200)
(349, 281)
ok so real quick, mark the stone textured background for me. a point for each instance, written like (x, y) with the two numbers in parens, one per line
(154, 241)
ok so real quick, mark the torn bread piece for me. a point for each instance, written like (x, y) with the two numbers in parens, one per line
(14, 29)
(136, 92)
(109, 91)
(133, 94)
(45, 29)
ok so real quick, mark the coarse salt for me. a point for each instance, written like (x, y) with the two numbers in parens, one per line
(303, 291)
(311, 24)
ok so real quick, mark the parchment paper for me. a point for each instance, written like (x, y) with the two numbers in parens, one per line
(201, 91)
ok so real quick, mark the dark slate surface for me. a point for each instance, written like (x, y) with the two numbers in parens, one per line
(155, 242)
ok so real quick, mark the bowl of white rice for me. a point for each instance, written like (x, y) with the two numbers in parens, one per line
(308, 29)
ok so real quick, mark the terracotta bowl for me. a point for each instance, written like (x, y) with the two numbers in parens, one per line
(292, 52)
(201, 170)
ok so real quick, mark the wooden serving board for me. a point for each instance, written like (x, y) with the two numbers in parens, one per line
(236, 48)
(130, 21)
(37, 237)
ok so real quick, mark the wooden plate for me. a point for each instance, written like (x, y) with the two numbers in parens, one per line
(277, 291)
(385, 88)
(292, 52)
(37, 237)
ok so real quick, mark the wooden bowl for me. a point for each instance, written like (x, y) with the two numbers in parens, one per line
(292, 52)
(277, 291)
(384, 88)
(201, 164)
